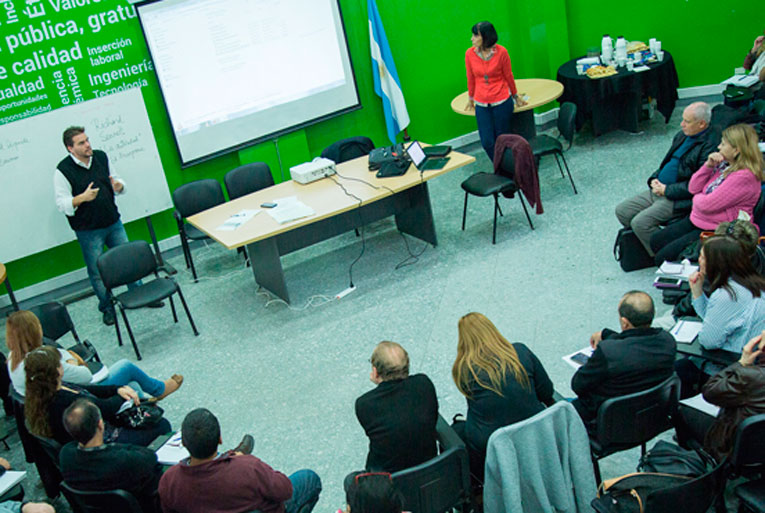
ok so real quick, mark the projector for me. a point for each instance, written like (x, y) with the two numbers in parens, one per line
(311, 171)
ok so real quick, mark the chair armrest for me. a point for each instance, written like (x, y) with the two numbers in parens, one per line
(177, 216)
(447, 436)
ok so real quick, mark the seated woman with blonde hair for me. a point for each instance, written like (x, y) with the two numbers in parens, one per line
(47, 398)
(504, 383)
(23, 333)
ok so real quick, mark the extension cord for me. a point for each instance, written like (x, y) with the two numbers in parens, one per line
(344, 293)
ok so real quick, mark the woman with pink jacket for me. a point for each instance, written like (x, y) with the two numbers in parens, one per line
(730, 181)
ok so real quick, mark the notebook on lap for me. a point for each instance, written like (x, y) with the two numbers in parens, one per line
(421, 161)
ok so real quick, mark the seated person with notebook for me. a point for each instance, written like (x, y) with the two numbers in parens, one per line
(13, 506)
(89, 464)
(637, 358)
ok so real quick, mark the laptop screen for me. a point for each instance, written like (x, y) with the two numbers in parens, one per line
(416, 153)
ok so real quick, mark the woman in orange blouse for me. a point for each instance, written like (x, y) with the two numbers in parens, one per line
(491, 86)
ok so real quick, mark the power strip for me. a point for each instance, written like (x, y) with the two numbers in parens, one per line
(341, 295)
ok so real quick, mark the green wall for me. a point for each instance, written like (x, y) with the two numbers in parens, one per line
(428, 39)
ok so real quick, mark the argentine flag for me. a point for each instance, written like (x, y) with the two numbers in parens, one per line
(387, 85)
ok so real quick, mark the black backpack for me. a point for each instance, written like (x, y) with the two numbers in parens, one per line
(630, 252)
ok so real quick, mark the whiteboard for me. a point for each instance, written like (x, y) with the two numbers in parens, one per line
(30, 150)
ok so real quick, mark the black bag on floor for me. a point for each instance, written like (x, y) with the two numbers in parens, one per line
(629, 251)
(628, 493)
(668, 458)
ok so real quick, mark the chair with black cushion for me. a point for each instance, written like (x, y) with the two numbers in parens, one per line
(348, 149)
(747, 459)
(695, 496)
(56, 322)
(128, 263)
(438, 485)
(51, 450)
(542, 145)
(247, 179)
(113, 501)
(494, 184)
(190, 199)
(633, 420)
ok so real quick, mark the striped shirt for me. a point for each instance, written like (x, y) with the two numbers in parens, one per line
(729, 323)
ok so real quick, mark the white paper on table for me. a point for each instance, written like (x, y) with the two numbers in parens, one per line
(641, 68)
(741, 80)
(172, 451)
(288, 209)
(686, 331)
(677, 269)
(10, 479)
(586, 352)
(698, 402)
(237, 220)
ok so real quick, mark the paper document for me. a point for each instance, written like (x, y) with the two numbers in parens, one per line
(682, 269)
(641, 68)
(698, 402)
(686, 331)
(288, 209)
(742, 80)
(237, 220)
(579, 358)
(172, 451)
(10, 479)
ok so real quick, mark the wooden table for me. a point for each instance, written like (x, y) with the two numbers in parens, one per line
(4, 279)
(266, 241)
(540, 91)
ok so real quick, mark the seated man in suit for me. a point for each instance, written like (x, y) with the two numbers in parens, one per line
(399, 415)
(667, 195)
(89, 464)
(231, 482)
(624, 363)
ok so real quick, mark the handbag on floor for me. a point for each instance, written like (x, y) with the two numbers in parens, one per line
(668, 458)
(628, 493)
(630, 252)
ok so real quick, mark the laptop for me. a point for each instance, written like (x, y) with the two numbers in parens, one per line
(421, 161)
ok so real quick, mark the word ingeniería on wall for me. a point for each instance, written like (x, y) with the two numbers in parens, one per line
(55, 53)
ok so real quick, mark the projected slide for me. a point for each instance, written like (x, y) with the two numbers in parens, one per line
(233, 72)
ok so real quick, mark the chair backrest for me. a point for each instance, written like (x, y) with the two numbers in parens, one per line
(113, 501)
(194, 197)
(748, 453)
(126, 263)
(697, 495)
(633, 419)
(566, 119)
(55, 320)
(437, 485)
(507, 164)
(248, 178)
(51, 448)
(347, 149)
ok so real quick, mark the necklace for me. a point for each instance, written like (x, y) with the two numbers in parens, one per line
(485, 64)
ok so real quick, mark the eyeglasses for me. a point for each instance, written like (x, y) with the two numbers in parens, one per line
(370, 474)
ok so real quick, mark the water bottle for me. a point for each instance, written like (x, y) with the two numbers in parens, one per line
(621, 49)
(606, 49)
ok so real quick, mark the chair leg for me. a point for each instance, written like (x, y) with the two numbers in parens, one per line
(569, 173)
(172, 308)
(523, 204)
(560, 168)
(130, 333)
(188, 313)
(496, 208)
(464, 212)
(500, 210)
(117, 326)
(11, 296)
(191, 261)
(596, 468)
(184, 247)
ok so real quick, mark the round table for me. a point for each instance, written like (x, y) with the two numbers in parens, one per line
(4, 279)
(614, 102)
(540, 91)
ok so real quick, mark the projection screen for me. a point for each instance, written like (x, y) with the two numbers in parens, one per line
(236, 72)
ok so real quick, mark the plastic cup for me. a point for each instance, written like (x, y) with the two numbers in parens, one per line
(580, 69)
(630, 65)
(660, 55)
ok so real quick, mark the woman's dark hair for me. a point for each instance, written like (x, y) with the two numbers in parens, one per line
(374, 493)
(727, 260)
(487, 32)
(41, 369)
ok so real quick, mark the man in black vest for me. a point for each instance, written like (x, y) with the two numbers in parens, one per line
(85, 189)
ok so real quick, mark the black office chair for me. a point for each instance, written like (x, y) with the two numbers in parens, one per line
(438, 485)
(695, 496)
(348, 149)
(492, 184)
(542, 145)
(128, 263)
(190, 199)
(111, 501)
(56, 322)
(747, 459)
(634, 419)
(247, 179)
(51, 450)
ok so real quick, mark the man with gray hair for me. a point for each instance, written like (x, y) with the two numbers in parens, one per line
(667, 195)
(399, 416)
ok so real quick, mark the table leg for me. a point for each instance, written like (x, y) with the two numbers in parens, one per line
(417, 220)
(267, 267)
(10, 294)
(522, 123)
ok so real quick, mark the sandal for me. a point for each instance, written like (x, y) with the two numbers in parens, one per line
(171, 385)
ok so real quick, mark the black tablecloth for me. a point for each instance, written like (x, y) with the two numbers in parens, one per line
(614, 102)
